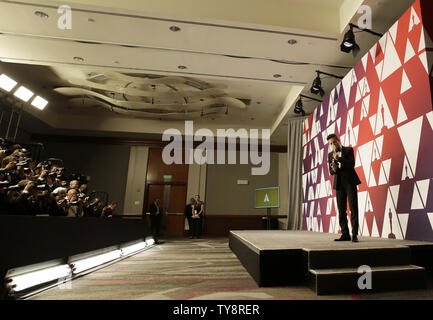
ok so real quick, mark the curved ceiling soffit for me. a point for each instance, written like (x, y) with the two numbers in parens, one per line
(152, 96)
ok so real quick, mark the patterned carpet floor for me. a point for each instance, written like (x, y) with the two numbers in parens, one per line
(183, 269)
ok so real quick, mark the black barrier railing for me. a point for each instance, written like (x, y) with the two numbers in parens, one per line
(29, 240)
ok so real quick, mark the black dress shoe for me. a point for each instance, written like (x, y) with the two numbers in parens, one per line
(343, 238)
(354, 238)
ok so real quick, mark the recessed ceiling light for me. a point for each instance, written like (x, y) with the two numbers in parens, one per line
(174, 28)
(277, 75)
(23, 93)
(41, 14)
(292, 41)
(181, 67)
(91, 20)
(79, 59)
(258, 102)
(39, 103)
(7, 83)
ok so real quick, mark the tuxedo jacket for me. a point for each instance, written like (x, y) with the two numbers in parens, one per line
(345, 173)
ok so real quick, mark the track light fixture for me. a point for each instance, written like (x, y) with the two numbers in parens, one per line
(316, 88)
(349, 43)
(299, 107)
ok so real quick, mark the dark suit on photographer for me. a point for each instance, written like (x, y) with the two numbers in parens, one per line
(345, 183)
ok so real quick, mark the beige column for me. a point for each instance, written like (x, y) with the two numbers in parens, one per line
(196, 180)
(136, 181)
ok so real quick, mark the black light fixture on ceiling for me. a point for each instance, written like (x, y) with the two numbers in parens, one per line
(316, 88)
(349, 43)
(299, 107)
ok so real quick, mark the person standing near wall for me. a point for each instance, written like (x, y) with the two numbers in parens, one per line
(155, 218)
(341, 163)
(188, 215)
(197, 217)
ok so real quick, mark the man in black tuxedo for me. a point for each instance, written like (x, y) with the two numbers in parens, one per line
(341, 163)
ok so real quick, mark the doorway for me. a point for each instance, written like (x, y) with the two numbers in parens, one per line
(172, 200)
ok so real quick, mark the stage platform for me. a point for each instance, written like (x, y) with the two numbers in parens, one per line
(284, 258)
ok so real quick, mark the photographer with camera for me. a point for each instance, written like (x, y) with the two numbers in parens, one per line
(23, 198)
(75, 204)
(108, 211)
(28, 187)
(59, 203)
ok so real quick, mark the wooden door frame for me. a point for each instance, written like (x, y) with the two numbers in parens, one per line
(146, 189)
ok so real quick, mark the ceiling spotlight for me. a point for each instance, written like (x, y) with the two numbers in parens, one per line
(41, 14)
(39, 103)
(23, 93)
(317, 88)
(292, 41)
(174, 28)
(277, 75)
(79, 59)
(299, 107)
(349, 43)
(7, 83)
(181, 67)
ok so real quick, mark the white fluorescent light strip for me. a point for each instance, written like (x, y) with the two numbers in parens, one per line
(31, 279)
(89, 263)
(134, 248)
(39, 103)
(7, 83)
(23, 93)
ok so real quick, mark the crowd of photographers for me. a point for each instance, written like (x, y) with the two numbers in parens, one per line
(31, 188)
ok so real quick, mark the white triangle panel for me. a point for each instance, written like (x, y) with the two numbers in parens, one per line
(385, 169)
(391, 60)
(403, 218)
(417, 203)
(405, 83)
(410, 136)
(402, 117)
(393, 31)
(430, 118)
(375, 231)
(430, 218)
(410, 52)
(407, 171)
(414, 19)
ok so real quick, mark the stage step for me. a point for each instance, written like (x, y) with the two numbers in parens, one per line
(353, 257)
(345, 280)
